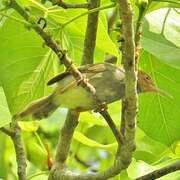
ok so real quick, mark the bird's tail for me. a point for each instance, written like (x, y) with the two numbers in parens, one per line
(38, 109)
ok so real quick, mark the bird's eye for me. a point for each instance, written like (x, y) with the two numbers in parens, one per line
(147, 77)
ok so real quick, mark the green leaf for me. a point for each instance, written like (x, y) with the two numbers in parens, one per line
(5, 116)
(159, 115)
(29, 126)
(161, 37)
(24, 66)
(157, 4)
(73, 35)
(111, 148)
(36, 154)
(140, 168)
(148, 149)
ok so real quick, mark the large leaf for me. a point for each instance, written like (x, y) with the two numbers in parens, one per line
(24, 65)
(73, 34)
(157, 4)
(159, 115)
(5, 116)
(161, 37)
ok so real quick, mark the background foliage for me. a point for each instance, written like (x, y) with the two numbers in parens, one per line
(26, 65)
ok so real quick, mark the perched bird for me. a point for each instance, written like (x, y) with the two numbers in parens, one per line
(107, 79)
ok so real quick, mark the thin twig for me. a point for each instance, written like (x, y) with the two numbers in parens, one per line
(112, 125)
(161, 172)
(7, 131)
(89, 12)
(84, 163)
(164, 22)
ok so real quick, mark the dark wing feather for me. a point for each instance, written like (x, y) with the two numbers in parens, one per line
(89, 68)
(58, 78)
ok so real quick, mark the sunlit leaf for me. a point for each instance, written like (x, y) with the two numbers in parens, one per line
(111, 148)
(159, 115)
(161, 36)
(29, 126)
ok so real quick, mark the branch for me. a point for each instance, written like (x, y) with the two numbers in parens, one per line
(66, 135)
(84, 163)
(138, 32)
(123, 121)
(139, 27)
(161, 172)
(90, 36)
(125, 151)
(88, 12)
(7, 131)
(108, 173)
(69, 5)
(19, 149)
(111, 124)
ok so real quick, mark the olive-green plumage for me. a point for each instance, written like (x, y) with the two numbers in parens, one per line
(107, 79)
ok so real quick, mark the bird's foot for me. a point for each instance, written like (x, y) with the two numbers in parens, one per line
(82, 80)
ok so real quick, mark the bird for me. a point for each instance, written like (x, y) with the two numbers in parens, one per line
(107, 79)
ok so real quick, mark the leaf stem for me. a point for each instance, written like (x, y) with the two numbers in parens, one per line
(164, 22)
(88, 12)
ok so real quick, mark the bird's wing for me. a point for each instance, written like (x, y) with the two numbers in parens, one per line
(90, 68)
(93, 68)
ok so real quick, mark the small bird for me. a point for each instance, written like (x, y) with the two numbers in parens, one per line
(107, 79)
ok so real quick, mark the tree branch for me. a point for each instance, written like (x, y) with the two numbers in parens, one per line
(19, 149)
(111, 124)
(90, 36)
(161, 172)
(66, 135)
(125, 151)
(7, 131)
(88, 12)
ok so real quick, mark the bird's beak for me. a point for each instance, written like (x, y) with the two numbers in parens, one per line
(161, 92)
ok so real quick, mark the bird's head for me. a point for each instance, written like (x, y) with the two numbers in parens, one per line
(146, 84)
